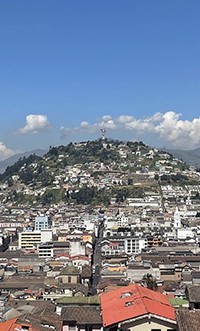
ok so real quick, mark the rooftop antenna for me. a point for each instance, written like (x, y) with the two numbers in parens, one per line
(103, 133)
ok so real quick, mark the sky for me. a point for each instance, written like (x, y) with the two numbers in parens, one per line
(70, 68)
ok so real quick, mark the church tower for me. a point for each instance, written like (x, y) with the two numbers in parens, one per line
(177, 219)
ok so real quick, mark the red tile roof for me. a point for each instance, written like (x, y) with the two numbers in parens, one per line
(80, 257)
(12, 325)
(133, 301)
(60, 255)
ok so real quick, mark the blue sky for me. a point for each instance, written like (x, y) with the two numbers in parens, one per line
(70, 68)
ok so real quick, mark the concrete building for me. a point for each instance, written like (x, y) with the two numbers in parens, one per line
(45, 250)
(42, 222)
(134, 245)
(77, 247)
(122, 244)
(31, 239)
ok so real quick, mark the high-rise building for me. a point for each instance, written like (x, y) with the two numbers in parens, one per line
(42, 222)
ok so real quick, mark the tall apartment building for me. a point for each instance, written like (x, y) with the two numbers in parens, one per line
(42, 222)
(31, 239)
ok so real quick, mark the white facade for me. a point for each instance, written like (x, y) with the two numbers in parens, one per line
(134, 245)
(185, 233)
(177, 219)
(46, 235)
(77, 247)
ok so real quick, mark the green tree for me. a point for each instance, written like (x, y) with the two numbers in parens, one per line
(149, 281)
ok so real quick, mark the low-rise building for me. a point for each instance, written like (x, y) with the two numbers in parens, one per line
(137, 308)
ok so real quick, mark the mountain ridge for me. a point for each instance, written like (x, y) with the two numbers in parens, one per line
(191, 157)
(14, 158)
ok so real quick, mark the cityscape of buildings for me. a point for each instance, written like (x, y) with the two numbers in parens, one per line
(99, 165)
(132, 263)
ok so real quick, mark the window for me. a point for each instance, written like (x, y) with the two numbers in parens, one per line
(88, 327)
(155, 329)
(72, 326)
(126, 294)
(129, 303)
(69, 279)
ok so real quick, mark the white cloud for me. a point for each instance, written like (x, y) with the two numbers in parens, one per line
(5, 152)
(167, 126)
(183, 134)
(125, 118)
(84, 125)
(35, 124)
(107, 123)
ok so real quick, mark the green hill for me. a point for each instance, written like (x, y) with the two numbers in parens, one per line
(89, 172)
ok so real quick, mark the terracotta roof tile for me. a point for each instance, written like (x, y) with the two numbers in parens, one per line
(133, 301)
(12, 325)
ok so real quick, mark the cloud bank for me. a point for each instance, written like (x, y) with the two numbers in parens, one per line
(35, 124)
(169, 126)
(5, 152)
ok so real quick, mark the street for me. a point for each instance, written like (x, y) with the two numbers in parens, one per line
(97, 257)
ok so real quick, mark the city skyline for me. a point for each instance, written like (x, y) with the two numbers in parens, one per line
(70, 70)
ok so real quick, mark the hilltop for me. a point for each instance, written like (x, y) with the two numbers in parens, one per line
(90, 172)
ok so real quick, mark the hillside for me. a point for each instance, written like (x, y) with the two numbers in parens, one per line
(90, 172)
(189, 156)
(12, 159)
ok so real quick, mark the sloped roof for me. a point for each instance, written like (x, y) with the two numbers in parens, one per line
(70, 270)
(193, 292)
(41, 321)
(86, 272)
(89, 301)
(12, 325)
(134, 301)
(43, 313)
(82, 314)
(188, 319)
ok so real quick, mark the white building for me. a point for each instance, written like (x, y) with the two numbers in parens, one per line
(185, 233)
(42, 222)
(177, 219)
(134, 245)
(31, 239)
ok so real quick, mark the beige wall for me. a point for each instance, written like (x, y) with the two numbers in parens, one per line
(65, 279)
(29, 239)
(148, 324)
(176, 276)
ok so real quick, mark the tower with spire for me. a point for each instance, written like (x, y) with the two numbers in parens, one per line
(177, 219)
